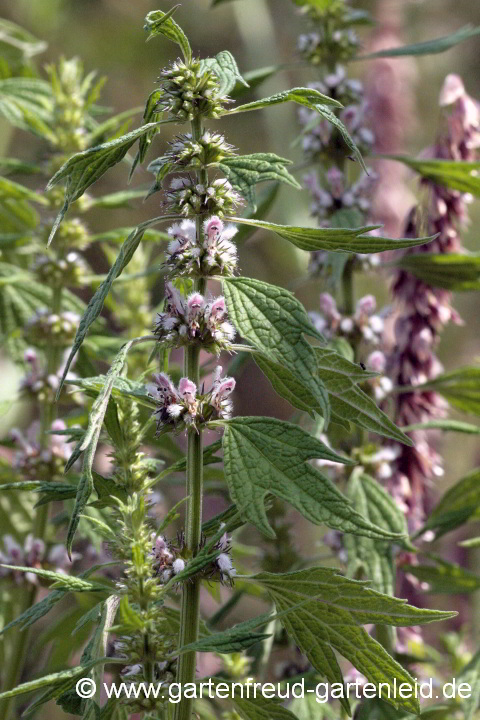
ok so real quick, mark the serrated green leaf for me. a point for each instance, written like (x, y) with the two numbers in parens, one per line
(348, 401)
(52, 492)
(339, 377)
(460, 387)
(261, 708)
(224, 66)
(158, 22)
(458, 504)
(444, 577)
(333, 622)
(274, 321)
(265, 455)
(284, 382)
(95, 306)
(456, 272)
(309, 97)
(246, 171)
(374, 557)
(334, 239)
(236, 639)
(429, 47)
(456, 174)
(86, 167)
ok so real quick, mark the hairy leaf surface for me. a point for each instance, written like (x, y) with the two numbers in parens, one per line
(335, 239)
(274, 321)
(263, 455)
(334, 619)
(224, 66)
(246, 171)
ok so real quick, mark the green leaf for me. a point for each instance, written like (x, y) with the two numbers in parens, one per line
(348, 401)
(90, 441)
(302, 394)
(150, 116)
(333, 622)
(246, 171)
(471, 675)
(446, 425)
(374, 557)
(334, 239)
(259, 708)
(94, 307)
(236, 639)
(35, 612)
(309, 97)
(85, 168)
(471, 543)
(13, 165)
(320, 5)
(458, 504)
(456, 272)
(265, 455)
(460, 387)
(339, 377)
(13, 190)
(21, 485)
(158, 22)
(122, 387)
(26, 103)
(16, 41)
(430, 47)
(224, 66)
(58, 678)
(115, 200)
(67, 582)
(456, 174)
(274, 321)
(444, 577)
(327, 114)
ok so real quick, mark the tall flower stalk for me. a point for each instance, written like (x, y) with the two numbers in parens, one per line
(422, 310)
(265, 461)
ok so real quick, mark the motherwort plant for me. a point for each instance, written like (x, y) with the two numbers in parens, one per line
(398, 343)
(153, 608)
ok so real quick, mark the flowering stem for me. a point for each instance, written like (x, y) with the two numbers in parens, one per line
(190, 610)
